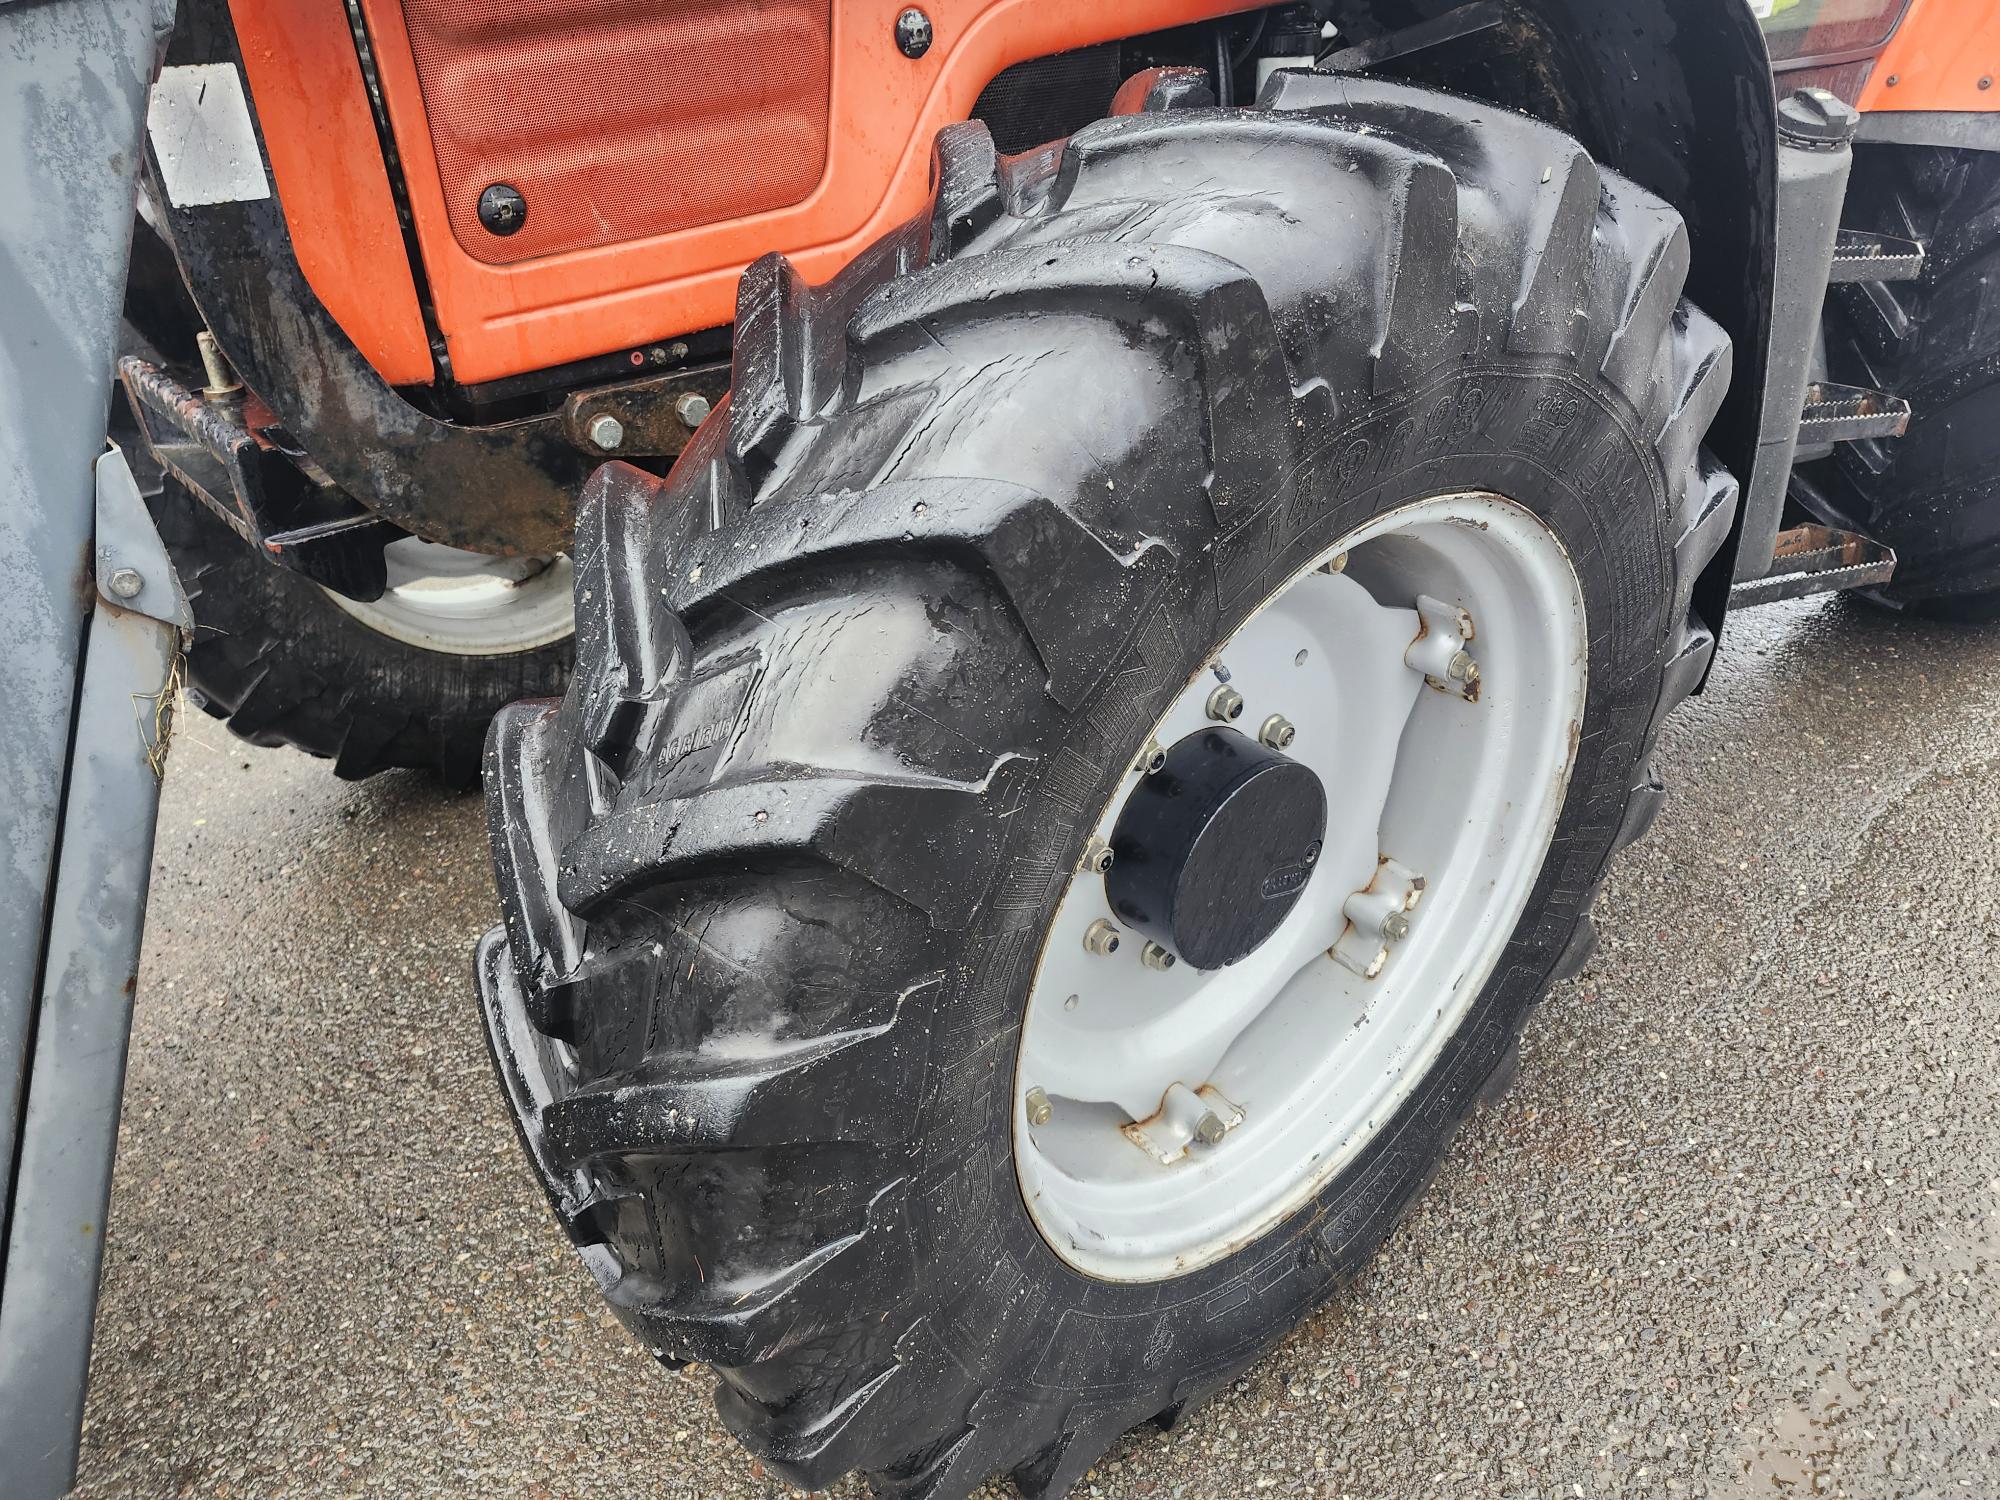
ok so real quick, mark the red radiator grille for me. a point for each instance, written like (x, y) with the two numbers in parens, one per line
(616, 122)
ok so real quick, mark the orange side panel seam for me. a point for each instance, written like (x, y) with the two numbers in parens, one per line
(326, 163)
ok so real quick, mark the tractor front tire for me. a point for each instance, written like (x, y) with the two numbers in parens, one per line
(281, 662)
(856, 680)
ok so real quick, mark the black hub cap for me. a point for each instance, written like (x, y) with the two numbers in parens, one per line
(1212, 850)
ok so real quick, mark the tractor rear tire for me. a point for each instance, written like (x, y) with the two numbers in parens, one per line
(854, 680)
(277, 660)
(1934, 493)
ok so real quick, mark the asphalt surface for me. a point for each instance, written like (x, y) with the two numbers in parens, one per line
(1733, 1232)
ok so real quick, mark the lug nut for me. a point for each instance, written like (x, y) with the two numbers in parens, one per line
(692, 409)
(1101, 938)
(606, 431)
(1395, 927)
(1462, 668)
(1040, 1111)
(1225, 704)
(1209, 1128)
(1096, 856)
(1336, 564)
(1153, 956)
(1151, 760)
(1278, 732)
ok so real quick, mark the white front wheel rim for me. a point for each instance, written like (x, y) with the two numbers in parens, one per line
(467, 603)
(1301, 1058)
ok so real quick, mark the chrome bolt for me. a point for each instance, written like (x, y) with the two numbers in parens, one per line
(1101, 938)
(1040, 1111)
(1225, 704)
(127, 583)
(1153, 956)
(1278, 732)
(1462, 668)
(1335, 564)
(1209, 1128)
(1096, 856)
(606, 431)
(692, 409)
(1395, 927)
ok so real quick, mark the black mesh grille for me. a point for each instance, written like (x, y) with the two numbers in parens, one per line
(1047, 98)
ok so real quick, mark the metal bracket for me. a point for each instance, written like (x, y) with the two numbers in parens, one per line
(652, 418)
(1186, 1117)
(1816, 559)
(268, 493)
(1862, 256)
(133, 570)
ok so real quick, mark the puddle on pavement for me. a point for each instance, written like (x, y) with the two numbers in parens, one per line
(1797, 1450)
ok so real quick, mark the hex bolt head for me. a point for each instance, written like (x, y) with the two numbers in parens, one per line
(1101, 938)
(1278, 732)
(1335, 564)
(606, 431)
(1395, 927)
(127, 583)
(1096, 856)
(1225, 704)
(1150, 761)
(1209, 1129)
(1462, 668)
(1040, 1111)
(1153, 956)
(692, 409)
(913, 32)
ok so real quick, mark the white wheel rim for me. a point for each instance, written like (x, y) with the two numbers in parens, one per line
(467, 603)
(1314, 1057)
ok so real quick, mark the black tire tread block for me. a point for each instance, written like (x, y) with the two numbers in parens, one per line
(855, 676)
(281, 664)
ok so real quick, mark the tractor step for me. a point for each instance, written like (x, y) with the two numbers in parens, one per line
(1815, 559)
(1860, 255)
(1843, 413)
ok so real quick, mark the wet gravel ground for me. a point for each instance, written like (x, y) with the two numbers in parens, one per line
(1733, 1232)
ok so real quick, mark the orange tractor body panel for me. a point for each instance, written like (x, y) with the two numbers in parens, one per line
(300, 63)
(601, 169)
(1944, 57)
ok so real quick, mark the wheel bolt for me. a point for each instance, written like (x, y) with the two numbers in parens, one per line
(1040, 1111)
(1395, 927)
(1101, 938)
(1278, 732)
(1096, 856)
(1462, 668)
(1151, 760)
(1336, 564)
(1225, 704)
(1209, 1128)
(1153, 956)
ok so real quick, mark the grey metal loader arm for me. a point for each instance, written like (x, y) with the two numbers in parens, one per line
(91, 625)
